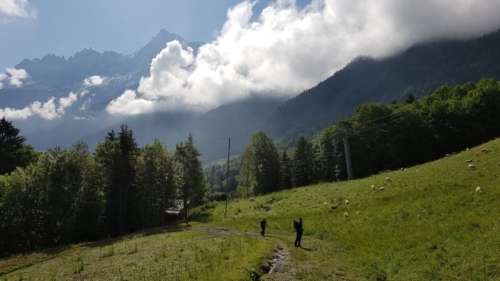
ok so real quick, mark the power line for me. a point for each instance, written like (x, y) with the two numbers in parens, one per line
(342, 132)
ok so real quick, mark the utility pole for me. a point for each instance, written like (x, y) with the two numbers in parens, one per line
(347, 154)
(227, 177)
(247, 177)
(292, 169)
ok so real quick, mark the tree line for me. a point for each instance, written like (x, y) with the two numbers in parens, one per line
(381, 137)
(70, 195)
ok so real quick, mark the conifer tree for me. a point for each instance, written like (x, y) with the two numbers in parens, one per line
(286, 173)
(303, 157)
(117, 156)
(13, 151)
(266, 162)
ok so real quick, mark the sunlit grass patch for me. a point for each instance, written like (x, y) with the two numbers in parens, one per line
(186, 255)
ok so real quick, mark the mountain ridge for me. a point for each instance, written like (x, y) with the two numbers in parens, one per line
(419, 70)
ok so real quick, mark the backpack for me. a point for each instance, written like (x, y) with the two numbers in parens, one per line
(295, 224)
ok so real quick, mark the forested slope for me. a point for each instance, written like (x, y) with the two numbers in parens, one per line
(419, 70)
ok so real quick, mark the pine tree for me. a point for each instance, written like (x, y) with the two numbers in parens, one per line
(13, 152)
(303, 157)
(266, 162)
(117, 156)
(286, 173)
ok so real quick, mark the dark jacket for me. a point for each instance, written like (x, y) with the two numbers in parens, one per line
(263, 224)
(298, 226)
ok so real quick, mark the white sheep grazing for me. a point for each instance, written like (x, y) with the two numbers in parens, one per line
(373, 187)
(336, 188)
(347, 202)
(346, 215)
(468, 161)
(402, 169)
(270, 201)
(357, 212)
(388, 179)
(478, 189)
(381, 188)
(472, 167)
(324, 203)
(266, 207)
(251, 199)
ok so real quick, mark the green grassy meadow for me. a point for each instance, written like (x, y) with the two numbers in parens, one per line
(428, 224)
(162, 255)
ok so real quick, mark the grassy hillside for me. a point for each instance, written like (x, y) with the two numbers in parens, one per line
(428, 224)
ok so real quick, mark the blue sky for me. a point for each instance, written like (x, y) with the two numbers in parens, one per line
(65, 27)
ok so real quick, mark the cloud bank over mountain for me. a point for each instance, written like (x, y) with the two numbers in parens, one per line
(95, 80)
(14, 76)
(52, 109)
(287, 49)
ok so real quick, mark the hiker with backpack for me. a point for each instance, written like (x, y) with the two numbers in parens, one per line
(263, 225)
(298, 227)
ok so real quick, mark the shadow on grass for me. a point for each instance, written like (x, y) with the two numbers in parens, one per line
(200, 216)
(16, 262)
(270, 236)
(307, 249)
(145, 232)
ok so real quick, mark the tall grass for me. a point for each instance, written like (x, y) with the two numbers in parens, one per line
(186, 255)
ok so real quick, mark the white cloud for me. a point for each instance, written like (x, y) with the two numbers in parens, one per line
(93, 81)
(49, 110)
(83, 93)
(46, 111)
(66, 102)
(288, 50)
(129, 104)
(16, 9)
(14, 76)
(2, 77)
(84, 118)
(14, 114)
